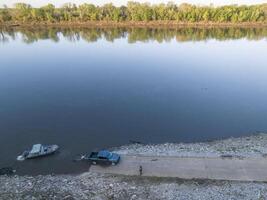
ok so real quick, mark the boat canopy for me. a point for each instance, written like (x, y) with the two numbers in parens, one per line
(36, 148)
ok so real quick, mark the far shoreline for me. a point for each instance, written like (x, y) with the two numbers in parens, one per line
(141, 24)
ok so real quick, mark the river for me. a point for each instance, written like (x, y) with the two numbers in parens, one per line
(92, 88)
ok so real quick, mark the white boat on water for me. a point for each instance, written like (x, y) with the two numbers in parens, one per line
(38, 150)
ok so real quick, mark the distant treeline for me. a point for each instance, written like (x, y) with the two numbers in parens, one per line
(132, 34)
(134, 12)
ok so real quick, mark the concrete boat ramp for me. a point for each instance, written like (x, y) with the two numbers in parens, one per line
(215, 168)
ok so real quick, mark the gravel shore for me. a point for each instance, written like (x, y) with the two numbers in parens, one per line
(254, 146)
(106, 187)
(100, 186)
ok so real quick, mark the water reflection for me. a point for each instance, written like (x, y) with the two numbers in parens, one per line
(133, 35)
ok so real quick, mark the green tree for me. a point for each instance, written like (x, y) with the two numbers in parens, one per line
(49, 12)
(88, 12)
(23, 12)
(5, 14)
(134, 11)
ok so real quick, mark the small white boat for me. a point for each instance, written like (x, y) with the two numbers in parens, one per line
(38, 150)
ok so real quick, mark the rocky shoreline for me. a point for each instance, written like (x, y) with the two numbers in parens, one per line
(99, 186)
(255, 146)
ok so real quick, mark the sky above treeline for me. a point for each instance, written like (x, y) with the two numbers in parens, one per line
(38, 3)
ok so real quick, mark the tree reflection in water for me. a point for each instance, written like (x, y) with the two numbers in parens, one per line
(30, 35)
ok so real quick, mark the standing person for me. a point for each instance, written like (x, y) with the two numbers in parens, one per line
(140, 170)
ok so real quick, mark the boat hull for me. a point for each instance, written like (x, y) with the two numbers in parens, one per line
(51, 149)
(46, 150)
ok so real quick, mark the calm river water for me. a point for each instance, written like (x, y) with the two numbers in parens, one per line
(88, 89)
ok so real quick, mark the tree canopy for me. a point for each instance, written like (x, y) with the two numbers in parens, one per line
(134, 12)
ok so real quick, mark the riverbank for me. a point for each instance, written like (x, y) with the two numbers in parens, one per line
(103, 186)
(141, 24)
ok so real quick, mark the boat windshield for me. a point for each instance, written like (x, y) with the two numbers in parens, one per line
(36, 148)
